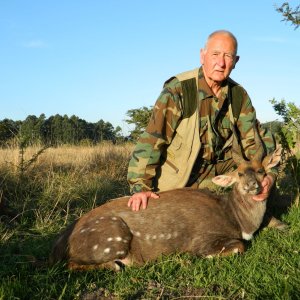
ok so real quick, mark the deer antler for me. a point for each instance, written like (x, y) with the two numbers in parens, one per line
(260, 152)
(237, 155)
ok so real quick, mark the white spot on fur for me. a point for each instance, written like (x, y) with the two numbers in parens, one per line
(106, 250)
(147, 237)
(83, 230)
(137, 233)
(154, 237)
(161, 236)
(109, 239)
(114, 218)
(169, 235)
(120, 252)
(97, 221)
(93, 229)
(247, 236)
(209, 256)
(101, 218)
(175, 234)
(118, 239)
(95, 247)
(117, 267)
(125, 241)
(236, 250)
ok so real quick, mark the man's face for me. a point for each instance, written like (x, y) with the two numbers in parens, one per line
(218, 58)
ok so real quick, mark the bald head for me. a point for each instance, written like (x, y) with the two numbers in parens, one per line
(225, 33)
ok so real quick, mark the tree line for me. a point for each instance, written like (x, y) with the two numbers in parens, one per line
(56, 130)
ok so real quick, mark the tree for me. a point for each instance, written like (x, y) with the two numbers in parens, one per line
(289, 14)
(8, 130)
(140, 118)
(31, 130)
(291, 118)
(290, 140)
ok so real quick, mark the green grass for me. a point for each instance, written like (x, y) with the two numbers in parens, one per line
(40, 206)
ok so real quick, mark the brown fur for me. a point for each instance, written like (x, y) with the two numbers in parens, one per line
(181, 220)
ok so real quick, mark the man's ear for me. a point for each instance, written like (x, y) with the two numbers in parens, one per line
(224, 180)
(237, 58)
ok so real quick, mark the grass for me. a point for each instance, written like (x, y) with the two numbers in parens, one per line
(65, 182)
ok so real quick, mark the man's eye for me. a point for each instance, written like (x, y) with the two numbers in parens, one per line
(229, 56)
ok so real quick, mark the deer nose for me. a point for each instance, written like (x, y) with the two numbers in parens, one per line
(252, 185)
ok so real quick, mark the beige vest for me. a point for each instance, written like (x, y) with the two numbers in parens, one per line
(182, 153)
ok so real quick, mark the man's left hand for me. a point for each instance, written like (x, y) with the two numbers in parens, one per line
(266, 184)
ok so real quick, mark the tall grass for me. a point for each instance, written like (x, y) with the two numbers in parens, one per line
(63, 183)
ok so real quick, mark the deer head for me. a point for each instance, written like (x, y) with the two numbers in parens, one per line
(249, 173)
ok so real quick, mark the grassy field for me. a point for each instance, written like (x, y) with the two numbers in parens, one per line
(40, 196)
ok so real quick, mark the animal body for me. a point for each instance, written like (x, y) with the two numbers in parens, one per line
(181, 220)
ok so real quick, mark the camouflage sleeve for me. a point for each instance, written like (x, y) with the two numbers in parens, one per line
(245, 125)
(159, 132)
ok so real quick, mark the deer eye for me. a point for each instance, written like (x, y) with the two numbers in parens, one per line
(261, 171)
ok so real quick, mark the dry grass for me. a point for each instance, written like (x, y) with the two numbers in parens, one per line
(101, 158)
(63, 183)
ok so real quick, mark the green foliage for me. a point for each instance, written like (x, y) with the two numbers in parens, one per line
(8, 130)
(291, 126)
(290, 140)
(290, 14)
(55, 130)
(140, 118)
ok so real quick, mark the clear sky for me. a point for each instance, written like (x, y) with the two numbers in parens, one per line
(97, 59)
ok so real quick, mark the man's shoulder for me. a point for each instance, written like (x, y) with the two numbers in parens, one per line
(238, 88)
(178, 78)
(188, 74)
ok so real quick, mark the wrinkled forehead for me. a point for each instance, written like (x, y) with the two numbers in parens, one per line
(221, 43)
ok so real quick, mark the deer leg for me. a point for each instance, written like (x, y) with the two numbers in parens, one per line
(111, 265)
(99, 243)
(225, 247)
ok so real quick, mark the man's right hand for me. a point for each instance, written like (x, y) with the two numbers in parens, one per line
(141, 198)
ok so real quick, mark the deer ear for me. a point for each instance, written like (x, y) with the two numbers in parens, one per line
(272, 159)
(224, 180)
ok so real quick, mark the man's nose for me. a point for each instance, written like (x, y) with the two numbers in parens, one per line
(221, 60)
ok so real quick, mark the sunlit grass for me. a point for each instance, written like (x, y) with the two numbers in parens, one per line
(65, 182)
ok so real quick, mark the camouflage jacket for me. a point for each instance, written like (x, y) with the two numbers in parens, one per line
(215, 129)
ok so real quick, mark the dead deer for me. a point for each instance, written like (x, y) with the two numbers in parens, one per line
(182, 220)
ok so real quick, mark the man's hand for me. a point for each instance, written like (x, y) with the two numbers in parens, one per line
(266, 184)
(141, 198)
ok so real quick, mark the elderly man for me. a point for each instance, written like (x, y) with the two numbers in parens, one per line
(189, 136)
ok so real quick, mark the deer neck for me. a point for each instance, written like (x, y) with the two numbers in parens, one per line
(247, 212)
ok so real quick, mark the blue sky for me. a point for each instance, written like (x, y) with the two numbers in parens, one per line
(97, 59)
